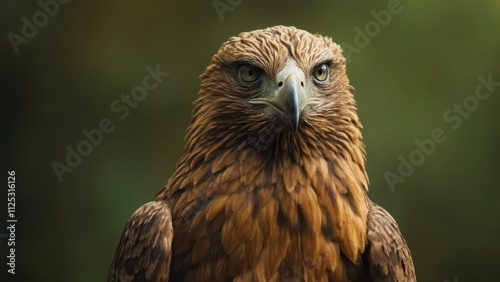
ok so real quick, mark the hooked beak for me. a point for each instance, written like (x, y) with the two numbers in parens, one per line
(290, 97)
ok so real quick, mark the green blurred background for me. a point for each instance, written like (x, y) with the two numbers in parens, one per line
(425, 60)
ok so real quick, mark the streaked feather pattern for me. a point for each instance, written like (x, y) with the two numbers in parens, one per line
(251, 200)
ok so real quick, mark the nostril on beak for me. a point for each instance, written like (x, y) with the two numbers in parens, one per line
(302, 83)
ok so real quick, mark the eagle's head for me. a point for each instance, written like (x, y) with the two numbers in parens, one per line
(279, 89)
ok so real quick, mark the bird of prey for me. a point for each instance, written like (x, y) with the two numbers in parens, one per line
(272, 185)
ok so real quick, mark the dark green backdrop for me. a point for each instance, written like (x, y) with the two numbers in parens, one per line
(408, 71)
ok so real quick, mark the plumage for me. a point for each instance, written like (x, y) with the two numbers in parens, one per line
(272, 185)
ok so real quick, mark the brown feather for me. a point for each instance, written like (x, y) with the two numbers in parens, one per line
(253, 200)
(144, 251)
(387, 251)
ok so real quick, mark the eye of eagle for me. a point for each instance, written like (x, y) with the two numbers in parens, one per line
(249, 74)
(321, 72)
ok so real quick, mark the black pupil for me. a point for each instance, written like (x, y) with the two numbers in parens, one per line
(250, 72)
(320, 70)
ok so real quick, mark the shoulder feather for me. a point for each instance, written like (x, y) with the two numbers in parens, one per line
(144, 251)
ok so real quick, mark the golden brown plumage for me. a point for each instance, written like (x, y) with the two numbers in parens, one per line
(272, 185)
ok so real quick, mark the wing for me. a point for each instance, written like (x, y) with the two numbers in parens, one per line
(387, 254)
(144, 251)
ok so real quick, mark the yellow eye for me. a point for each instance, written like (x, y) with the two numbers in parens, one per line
(321, 72)
(249, 73)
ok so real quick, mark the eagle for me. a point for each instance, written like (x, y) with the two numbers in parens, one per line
(272, 185)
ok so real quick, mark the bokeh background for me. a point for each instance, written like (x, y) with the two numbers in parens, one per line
(427, 58)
